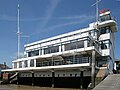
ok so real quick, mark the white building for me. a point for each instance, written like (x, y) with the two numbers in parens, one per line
(70, 55)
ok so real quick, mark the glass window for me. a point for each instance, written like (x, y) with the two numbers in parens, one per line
(93, 33)
(105, 44)
(25, 63)
(71, 46)
(54, 49)
(15, 65)
(20, 64)
(33, 53)
(105, 18)
(47, 50)
(32, 63)
(105, 30)
(80, 44)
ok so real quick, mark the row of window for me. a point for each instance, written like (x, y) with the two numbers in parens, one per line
(69, 46)
(25, 63)
(105, 30)
(47, 75)
(53, 49)
(66, 61)
(105, 18)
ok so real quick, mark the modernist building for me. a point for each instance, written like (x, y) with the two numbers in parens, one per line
(69, 59)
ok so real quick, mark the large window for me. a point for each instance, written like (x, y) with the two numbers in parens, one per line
(74, 45)
(70, 46)
(33, 53)
(105, 30)
(93, 33)
(51, 49)
(15, 64)
(105, 44)
(54, 49)
(80, 44)
(105, 18)
(25, 63)
(32, 63)
(20, 64)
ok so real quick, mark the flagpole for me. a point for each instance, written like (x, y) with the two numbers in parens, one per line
(18, 27)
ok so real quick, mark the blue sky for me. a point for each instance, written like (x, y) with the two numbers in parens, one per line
(41, 19)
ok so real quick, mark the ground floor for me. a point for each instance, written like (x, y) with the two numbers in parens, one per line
(75, 78)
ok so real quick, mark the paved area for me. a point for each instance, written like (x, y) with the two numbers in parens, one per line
(112, 82)
(23, 87)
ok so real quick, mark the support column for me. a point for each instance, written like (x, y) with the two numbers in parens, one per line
(34, 62)
(53, 78)
(17, 78)
(93, 70)
(32, 78)
(81, 80)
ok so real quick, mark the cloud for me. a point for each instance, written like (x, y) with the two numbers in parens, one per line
(80, 19)
(75, 17)
(15, 56)
(14, 18)
(7, 18)
(48, 13)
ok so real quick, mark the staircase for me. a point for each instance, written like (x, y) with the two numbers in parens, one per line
(101, 74)
(13, 78)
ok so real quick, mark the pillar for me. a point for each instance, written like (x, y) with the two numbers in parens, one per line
(28, 61)
(81, 80)
(85, 43)
(53, 78)
(93, 70)
(34, 62)
(32, 78)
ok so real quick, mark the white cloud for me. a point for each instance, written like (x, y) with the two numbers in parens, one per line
(49, 11)
(80, 19)
(75, 17)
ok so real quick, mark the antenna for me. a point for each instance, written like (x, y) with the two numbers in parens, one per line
(18, 33)
(97, 10)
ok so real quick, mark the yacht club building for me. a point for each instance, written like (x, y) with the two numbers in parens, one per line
(70, 57)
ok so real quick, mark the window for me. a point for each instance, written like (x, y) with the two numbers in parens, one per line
(93, 33)
(25, 63)
(54, 49)
(15, 65)
(47, 50)
(33, 53)
(105, 30)
(105, 18)
(32, 63)
(70, 75)
(105, 44)
(80, 44)
(51, 49)
(75, 75)
(20, 64)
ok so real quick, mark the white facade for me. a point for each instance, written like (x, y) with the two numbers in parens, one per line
(72, 50)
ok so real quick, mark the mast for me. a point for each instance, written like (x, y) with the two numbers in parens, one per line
(97, 10)
(18, 33)
(97, 16)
